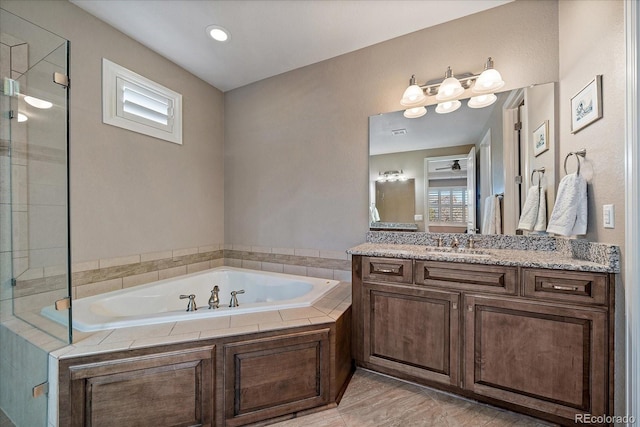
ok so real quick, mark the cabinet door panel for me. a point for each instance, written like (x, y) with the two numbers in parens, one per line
(172, 388)
(412, 330)
(268, 377)
(540, 356)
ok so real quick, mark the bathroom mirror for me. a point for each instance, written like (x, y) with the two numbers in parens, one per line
(434, 151)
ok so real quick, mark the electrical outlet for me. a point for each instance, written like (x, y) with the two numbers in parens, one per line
(417, 217)
(609, 215)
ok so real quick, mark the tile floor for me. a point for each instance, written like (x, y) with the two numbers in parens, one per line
(374, 400)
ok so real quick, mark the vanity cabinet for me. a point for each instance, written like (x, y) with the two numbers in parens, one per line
(537, 341)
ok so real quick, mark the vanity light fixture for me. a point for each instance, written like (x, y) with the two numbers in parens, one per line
(448, 107)
(218, 33)
(415, 112)
(413, 96)
(22, 118)
(37, 102)
(448, 91)
(489, 81)
(450, 88)
(481, 101)
(391, 176)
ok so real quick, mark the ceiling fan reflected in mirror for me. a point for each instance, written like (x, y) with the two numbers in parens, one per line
(454, 167)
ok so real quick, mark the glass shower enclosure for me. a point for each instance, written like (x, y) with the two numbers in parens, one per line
(34, 214)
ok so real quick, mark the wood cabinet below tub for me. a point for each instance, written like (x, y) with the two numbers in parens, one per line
(537, 341)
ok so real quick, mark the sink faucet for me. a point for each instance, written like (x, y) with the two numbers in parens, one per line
(234, 298)
(472, 243)
(455, 243)
(214, 300)
(191, 305)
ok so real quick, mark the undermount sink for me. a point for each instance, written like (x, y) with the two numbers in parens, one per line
(458, 252)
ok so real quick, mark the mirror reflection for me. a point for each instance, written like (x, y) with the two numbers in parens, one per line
(466, 171)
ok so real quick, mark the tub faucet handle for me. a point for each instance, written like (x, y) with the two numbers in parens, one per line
(191, 305)
(234, 298)
(214, 300)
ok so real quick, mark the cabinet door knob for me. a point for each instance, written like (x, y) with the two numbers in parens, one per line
(454, 306)
(470, 307)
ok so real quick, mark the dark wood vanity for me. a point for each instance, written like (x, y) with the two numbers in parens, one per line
(538, 341)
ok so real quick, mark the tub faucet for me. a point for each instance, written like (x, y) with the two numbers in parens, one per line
(191, 305)
(234, 298)
(214, 300)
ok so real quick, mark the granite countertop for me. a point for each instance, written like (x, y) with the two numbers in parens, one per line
(536, 252)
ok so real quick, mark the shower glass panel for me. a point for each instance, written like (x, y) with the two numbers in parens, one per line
(34, 214)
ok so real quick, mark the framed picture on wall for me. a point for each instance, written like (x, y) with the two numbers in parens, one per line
(541, 138)
(586, 105)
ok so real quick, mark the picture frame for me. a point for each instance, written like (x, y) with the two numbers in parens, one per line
(586, 105)
(541, 138)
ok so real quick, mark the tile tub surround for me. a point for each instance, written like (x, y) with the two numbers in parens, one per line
(95, 277)
(550, 252)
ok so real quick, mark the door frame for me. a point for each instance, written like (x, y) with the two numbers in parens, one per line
(632, 203)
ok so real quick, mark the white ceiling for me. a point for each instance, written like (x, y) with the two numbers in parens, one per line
(269, 37)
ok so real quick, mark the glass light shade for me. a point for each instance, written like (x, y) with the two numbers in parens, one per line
(448, 107)
(414, 113)
(22, 118)
(218, 33)
(488, 82)
(449, 89)
(413, 97)
(482, 101)
(37, 102)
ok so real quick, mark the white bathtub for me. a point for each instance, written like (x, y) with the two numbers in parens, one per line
(159, 302)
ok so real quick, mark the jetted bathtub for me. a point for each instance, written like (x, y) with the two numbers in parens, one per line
(160, 302)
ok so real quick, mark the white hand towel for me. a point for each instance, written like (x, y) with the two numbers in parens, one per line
(492, 220)
(569, 216)
(374, 216)
(534, 212)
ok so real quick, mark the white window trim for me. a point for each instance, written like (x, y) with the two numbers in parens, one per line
(112, 114)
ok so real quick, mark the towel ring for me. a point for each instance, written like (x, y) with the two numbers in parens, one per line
(581, 153)
(540, 172)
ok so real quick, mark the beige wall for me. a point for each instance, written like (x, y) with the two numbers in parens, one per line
(592, 42)
(296, 145)
(130, 193)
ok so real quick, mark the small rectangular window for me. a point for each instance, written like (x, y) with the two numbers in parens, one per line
(448, 206)
(133, 102)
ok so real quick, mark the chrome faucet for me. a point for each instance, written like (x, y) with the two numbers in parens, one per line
(214, 300)
(234, 298)
(191, 305)
(455, 243)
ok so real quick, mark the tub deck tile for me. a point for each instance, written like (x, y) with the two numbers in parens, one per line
(216, 333)
(255, 318)
(187, 326)
(146, 331)
(270, 326)
(300, 313)
(172, 339)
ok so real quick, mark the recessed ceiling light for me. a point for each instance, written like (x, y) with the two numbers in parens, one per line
(37, 102)
(218, 33)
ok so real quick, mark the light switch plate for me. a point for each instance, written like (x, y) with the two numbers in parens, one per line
(417, 217)
(609, 215)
